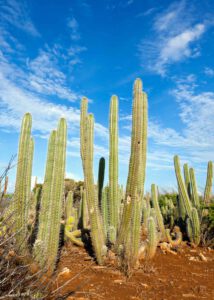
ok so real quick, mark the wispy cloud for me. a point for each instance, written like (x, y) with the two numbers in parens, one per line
(74, 26)
(175, 33)
(16, 13)
(209, 72)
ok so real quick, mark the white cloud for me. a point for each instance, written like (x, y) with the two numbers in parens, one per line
(175, 34)
(74, 26)
(209, 72)
(17, 14)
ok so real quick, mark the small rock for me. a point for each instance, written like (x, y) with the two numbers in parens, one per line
(202, 257)
(193, 258)
(118, 281)
(145, 285)
(65, 273)
(188, 295)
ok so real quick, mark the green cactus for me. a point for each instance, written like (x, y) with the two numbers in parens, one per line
(195, 198)
(158, 211)
(135, 232)
(101, 176)
(83, 130)
(23, 184)
(152, 239)
(69, 204)
(181, 187)
(105, 209)
(187, 179)
(137, 160)
(46, 245)
(97, 230)
(44, 215)
(57, 195)
(177, 235)
(113, 170)
(209, 182)
(192, 222)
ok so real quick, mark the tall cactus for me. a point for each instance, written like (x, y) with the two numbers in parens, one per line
(23, 183)
(87, 140)
(47, 243)
(44, 215)
(113, 170)
(57, 195)
(209, 182)
(136, 163)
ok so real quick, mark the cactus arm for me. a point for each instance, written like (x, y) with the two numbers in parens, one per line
(177, 241)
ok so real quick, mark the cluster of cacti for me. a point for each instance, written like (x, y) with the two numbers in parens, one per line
(125, 221)
(39, 212)
(190, 208)
(117, 220)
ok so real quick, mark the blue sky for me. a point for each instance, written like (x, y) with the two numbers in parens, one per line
(54, 52)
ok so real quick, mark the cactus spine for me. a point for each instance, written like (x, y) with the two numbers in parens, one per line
(113, 170)
(208, 187)
(23, 186)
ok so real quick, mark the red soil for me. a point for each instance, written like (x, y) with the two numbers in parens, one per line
(166, 277)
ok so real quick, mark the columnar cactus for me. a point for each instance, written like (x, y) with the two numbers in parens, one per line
(44, 215)
(87, 140)
(113, 170)
(47, 243)
(187, 179)
(209, 182)
(105, 209)
(194, 198)
(152, 238)
(137, 160)
(57, 195)
(181, 186)
(159, 216)
(101, 176)
(192, 222)
(23, 183)
(69, 204)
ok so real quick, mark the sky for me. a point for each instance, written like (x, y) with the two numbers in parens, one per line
(54, 52)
